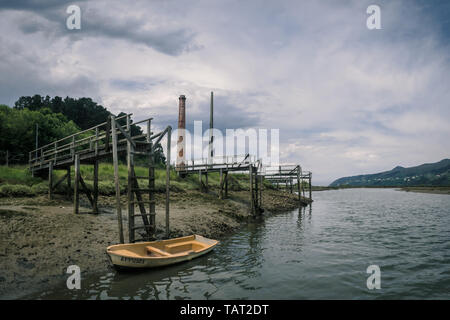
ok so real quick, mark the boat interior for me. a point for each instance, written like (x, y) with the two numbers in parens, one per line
(167, 248)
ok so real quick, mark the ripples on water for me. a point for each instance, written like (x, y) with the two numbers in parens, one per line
(321, 252)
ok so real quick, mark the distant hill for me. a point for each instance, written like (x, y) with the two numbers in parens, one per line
(428, 174)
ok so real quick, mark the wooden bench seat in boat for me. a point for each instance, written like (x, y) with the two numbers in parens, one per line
(184, 246)
(157, 251)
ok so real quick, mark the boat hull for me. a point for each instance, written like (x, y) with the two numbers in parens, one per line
(137, 256)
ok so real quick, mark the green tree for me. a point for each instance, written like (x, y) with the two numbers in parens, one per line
(84, 112)
(18, 129)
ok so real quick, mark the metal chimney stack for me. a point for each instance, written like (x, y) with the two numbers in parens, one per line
(181, 143)
(211, 126)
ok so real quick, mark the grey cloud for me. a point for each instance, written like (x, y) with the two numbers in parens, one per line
(226, 115)
(102, 23)
(35, 5)
(27, 74)
(171, 42)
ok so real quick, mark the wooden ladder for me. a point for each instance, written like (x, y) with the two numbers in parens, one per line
(135, 197)
(135, 192)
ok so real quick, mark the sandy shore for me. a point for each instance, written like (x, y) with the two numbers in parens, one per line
(41, 238)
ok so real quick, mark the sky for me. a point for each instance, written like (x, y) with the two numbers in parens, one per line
(347, 100)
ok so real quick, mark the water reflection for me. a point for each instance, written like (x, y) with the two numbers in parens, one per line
(301, 255)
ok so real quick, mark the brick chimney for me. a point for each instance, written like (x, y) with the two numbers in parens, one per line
(181, 143)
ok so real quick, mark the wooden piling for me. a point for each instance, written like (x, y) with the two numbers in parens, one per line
(95, 193)
(69, 184)
(256, 191)
(169, 136)
(226, 184)
(290, 185)
(310, 186)
(50, 180)
(260, 190)
(252, 206)
(76, 185)
(221, 184)
(130, 193)
(116, 177)
(151, 181)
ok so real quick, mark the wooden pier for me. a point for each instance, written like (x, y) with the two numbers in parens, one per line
(224, 164)
(108, 139)
(290, 175)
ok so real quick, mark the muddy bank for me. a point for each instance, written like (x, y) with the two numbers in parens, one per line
(435, 190)
(41, 238)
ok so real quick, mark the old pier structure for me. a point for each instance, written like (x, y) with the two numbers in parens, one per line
(106, 140)
(288, 176)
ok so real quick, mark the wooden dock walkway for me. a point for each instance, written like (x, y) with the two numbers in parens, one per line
(224, 164)
(290, 175)
(108, 139)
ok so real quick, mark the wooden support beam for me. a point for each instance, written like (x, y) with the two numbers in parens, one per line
(226, 184)
(107, 134)
(87, 191)
(256, 191)
(160, 136)
(127, 136)
(169, 136)
(310, 186)
(72, 148)
(116, 176)
(69, 184)
(96, 142)
(59, 181)
(252, 202)
(151, 183)
(130, 193)
(260, 190)
(95, 195)
(299, 183)
(50, 180)
(76, 193)
(221, 184)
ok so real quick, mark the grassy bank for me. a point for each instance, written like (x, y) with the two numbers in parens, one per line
(17, 181)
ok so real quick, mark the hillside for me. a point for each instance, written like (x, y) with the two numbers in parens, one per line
(429, 174)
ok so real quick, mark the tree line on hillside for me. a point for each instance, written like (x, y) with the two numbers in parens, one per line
(56, 118)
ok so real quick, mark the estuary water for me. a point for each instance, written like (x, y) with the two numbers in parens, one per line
(318, 252)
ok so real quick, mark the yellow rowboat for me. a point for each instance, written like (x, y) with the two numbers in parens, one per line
(159, 253)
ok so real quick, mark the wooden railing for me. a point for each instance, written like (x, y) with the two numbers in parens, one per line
(92, 140)
(225, 162)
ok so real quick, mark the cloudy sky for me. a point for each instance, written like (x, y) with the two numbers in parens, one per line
(347, 100)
